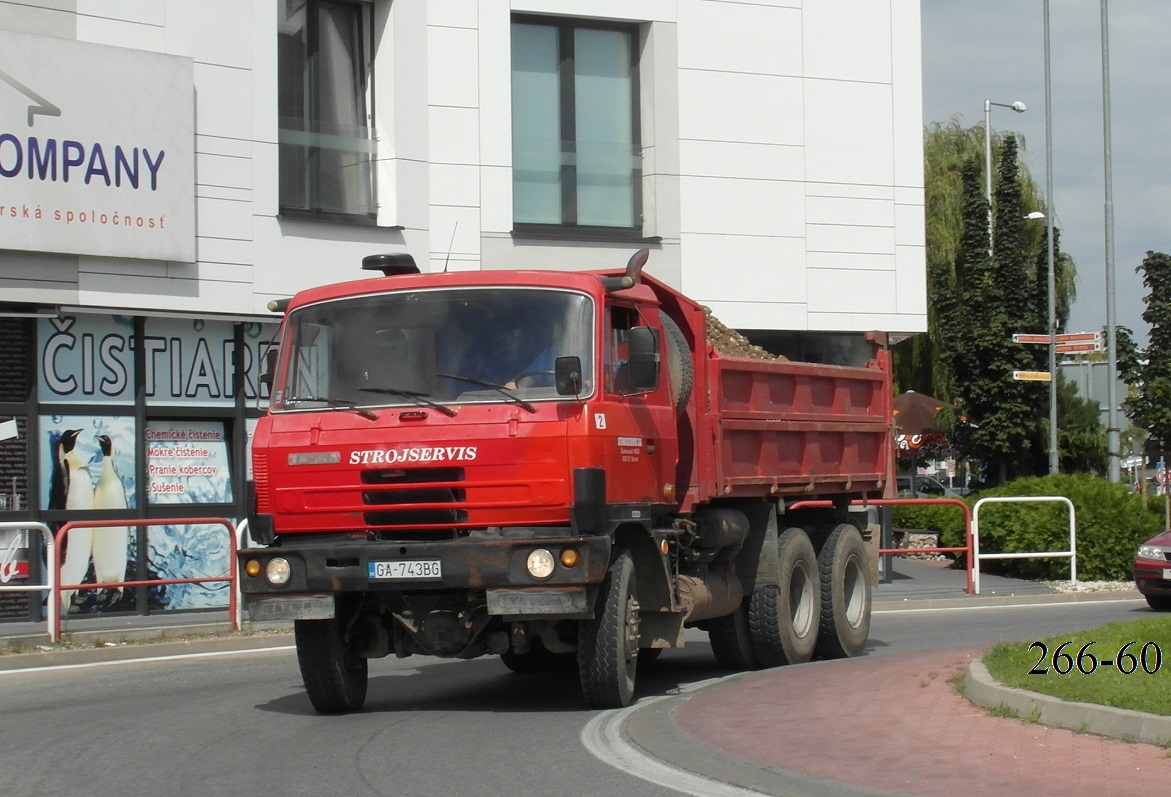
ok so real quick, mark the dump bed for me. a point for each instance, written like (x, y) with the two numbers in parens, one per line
(776, 427)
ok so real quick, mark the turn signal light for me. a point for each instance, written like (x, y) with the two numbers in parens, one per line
(570, 557)
(252, 568)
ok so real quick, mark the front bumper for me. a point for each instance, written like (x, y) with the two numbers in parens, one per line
(468, 564)
(1152, 577)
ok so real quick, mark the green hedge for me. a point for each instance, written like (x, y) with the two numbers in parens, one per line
(1111, 523)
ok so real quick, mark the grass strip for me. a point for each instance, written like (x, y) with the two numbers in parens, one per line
(1073, 666)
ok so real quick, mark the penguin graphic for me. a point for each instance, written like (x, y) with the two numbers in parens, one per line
(109, 544)
(79, 494)
(57, 486)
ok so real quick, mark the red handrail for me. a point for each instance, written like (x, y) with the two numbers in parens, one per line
(62, 532)
(916, 501)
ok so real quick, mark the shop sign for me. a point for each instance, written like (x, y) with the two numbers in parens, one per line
(90, 359)
(97, 149)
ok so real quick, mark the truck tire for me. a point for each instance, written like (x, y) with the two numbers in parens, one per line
(335, 679)
(680, 373)
(783, 618)
(731, 642)
(607, 645)
(845, 594)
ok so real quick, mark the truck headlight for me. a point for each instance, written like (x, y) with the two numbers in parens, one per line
(541, 563)
(278, 571)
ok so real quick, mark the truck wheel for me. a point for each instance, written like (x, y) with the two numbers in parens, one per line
(335, 679)
(607, 646)
(680, 372)
(731, 642)
(783, 618)
(845, 594)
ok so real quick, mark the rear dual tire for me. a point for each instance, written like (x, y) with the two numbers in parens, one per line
(845, 594)
(783, 618)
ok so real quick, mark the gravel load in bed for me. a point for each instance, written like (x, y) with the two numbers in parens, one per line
(729, 341)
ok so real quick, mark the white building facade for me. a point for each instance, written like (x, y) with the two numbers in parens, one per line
(168, 167)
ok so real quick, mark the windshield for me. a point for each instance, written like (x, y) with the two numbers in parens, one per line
(433, 348)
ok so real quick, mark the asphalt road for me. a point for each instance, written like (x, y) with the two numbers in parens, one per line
(239, 723)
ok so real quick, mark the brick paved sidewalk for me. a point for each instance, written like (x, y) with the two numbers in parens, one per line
(897, 724)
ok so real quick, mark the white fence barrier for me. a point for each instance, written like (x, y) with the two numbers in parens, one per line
(977, 556)
(50, 585)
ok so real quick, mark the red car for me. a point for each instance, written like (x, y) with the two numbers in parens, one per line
(1152, 571)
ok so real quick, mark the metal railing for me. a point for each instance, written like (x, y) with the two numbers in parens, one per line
(966, 549)
(977, 556)
(62, 533)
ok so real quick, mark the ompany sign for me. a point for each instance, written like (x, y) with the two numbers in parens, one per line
(96, 149)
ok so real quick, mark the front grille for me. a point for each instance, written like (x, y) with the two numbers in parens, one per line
(260, 480)
(416, 497)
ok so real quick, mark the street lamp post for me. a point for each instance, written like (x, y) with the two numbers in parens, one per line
(1051, 277)
(1113, 454)
(1017, 106)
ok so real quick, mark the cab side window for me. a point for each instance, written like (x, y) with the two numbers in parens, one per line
(619, 323)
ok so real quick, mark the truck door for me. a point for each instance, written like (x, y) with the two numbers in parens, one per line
(638, 424)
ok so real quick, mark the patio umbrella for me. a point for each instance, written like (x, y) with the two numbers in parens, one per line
(915, 413)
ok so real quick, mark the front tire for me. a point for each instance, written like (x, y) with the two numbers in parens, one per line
(783, 618)
(845, 594)
(607, 645)
(1160, 603)
(335, 679)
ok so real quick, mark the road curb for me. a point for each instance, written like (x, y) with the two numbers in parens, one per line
(970, 601)
(1119, 723)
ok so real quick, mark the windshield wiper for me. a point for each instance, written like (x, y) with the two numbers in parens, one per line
(415, 396)
(344, 403)
(501, 389)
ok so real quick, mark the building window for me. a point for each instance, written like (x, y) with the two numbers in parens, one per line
(575, 150)
(326, 146)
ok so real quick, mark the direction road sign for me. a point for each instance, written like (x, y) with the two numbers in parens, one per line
(1026, 337)
(1075, 348)
(1079, 337)
(1031, 376)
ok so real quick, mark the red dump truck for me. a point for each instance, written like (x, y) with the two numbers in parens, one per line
(557, 468)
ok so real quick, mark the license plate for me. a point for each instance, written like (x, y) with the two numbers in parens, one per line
(406, 569)
(1167, 573)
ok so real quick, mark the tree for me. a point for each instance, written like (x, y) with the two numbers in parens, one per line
(976, 303)
(1150, 405)
(1081, 439)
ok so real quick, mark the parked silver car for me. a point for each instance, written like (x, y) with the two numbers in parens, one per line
(923, 487)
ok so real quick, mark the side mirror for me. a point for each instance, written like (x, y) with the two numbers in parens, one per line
(644, 358)
(567, 376)
(268, 373)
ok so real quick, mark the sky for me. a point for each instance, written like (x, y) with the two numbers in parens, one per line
(975, 50)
